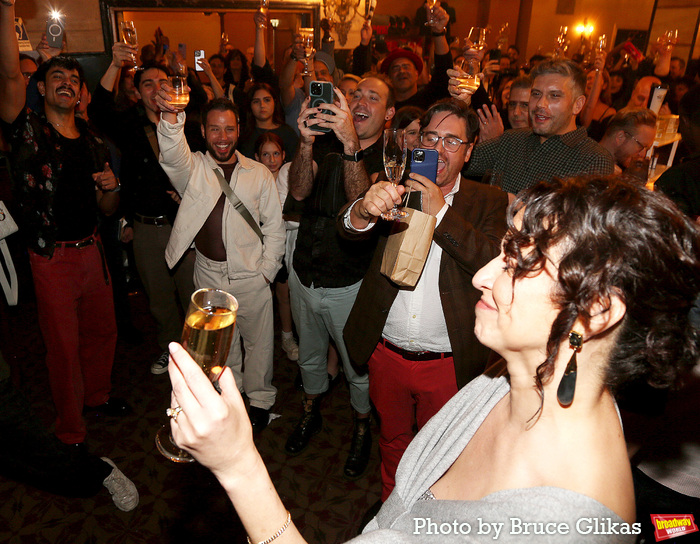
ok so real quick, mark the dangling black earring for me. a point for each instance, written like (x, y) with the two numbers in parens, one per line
(567, 385)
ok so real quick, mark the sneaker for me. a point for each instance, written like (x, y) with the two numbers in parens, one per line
(291, 348)
(161, 364)
(123, 490)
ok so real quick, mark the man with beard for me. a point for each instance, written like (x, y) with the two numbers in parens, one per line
(230, 253)
(146, 194)
(554, 146)
(629, 135)
(327, 172)
(63, 182)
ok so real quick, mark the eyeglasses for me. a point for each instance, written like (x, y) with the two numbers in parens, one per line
(450, 143)
(640, 144)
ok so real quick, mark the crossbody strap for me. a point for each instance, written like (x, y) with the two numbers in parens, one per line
(152, 139)
(238, 205)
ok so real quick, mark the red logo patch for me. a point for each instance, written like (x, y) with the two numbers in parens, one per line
(672, 525)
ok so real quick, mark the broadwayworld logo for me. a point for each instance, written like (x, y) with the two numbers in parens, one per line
(672, 525)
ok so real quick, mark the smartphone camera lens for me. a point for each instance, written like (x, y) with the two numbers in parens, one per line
(418, 155)
(316, 88)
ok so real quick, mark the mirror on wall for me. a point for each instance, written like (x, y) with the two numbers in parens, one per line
(199, 25)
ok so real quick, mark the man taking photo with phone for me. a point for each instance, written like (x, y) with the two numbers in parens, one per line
(328, 171)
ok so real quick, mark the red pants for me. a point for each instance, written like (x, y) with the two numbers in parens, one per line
(406, 394)
(76, 316)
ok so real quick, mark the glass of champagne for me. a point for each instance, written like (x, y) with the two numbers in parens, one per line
(264, 7)
(431, 7)
(307, 39)
(469, 78)
(207, 335)
(128, 33)
(394, 165)
(180, 93)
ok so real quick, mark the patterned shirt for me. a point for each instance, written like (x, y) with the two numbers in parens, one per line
(518, 159)
(37, 166)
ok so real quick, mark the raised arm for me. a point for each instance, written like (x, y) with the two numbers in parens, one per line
(216, 430)
(594, 96)
(289, 72)
(303, 169)
(12, 89)
(121, 53)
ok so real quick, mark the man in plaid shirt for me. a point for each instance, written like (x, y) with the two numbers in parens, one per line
(553, 146)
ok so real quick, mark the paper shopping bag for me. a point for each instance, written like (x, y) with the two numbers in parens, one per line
(407, 247)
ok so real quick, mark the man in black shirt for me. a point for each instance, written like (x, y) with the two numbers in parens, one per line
(147, 201)
(327, 172)
(63, 181)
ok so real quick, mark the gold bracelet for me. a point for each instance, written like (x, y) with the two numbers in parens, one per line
(278, 533)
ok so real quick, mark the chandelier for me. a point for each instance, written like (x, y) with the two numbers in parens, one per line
(340, 14)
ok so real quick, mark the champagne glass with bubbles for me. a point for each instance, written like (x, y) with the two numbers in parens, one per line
(394, 165)
(207, 335)
(128, 34)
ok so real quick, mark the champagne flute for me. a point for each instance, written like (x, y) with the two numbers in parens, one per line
(128, 33)
(307, 39)
(431, 7)
(264, 7)
(207, 335)
(394, 164)
(179, 92)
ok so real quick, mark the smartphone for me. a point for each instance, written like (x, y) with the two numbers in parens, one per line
(182, 48)
(199, 54)
(425, 163)
(320, 92)
(657, 95)
(494, 54)
(54, 32)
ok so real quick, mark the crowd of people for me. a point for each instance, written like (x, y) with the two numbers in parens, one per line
(555, 284)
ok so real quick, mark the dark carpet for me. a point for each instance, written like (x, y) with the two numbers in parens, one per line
(179, 503)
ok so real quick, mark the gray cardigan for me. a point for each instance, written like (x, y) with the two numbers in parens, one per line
(404, 518)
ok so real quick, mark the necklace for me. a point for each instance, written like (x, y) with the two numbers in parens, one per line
(57, 124)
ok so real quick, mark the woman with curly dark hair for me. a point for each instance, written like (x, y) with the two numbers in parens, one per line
(593, 289)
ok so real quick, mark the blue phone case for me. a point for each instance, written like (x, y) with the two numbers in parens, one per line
(428, 165)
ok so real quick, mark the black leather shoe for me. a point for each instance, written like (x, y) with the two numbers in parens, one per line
(259, 418)
(360, 449)
(309, 425)
(114, 406)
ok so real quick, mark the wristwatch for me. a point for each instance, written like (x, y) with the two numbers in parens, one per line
(356, 157)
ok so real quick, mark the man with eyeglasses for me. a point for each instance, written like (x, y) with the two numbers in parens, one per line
(419, 343)
(554, 146)
(629, 136)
